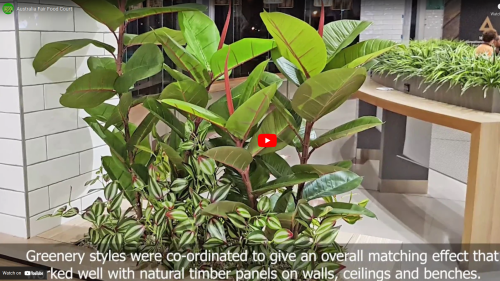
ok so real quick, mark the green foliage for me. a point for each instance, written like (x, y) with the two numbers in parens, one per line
(441, 62)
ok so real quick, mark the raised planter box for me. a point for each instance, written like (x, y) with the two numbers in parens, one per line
(473, 98)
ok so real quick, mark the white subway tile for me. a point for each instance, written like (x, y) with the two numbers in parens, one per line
(90, 50)
(81, 66)
(84, 23)
(8, 72)
(33, 98)
(36, 150)
(110, 39)
(52, 94)
(42, 123)
(8, 48)
(12, 203)
(29, 43)
(11, 152)
(71, 142)
(89, 199)
(62, 71)
(45, 20)
(40, 226)
(10, 99)
(12, 177)
(53, 171)
(60, 193)
(91, 159)
(16, 225)
(38, 201)
(10, 126)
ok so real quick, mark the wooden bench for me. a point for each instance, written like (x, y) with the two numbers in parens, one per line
(482, 207)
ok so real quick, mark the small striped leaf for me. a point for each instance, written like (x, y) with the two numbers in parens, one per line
(116, 203)
(213, 243)
(97, 207)
(154, 188)
(111, 190)
(186, 239)
(216, 229)
(94, 236)
(71, 213)
(237, 220)
(306, 212)
(177, 215)
(273, 223)
(326, 238)
(243, 212)
(282, 235)
(264, 205)
(104, 245)
(178, 185)
(117, 242)
(207, 165)
(220, 193)
(304, 241)
(187, 225)
(222, 208)
(159, 216)
(257, 237)
(134, 232)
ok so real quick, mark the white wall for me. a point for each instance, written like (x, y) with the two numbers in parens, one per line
(44, 148)
(387, 18)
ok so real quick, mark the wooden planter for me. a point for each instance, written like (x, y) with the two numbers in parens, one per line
(473, 98)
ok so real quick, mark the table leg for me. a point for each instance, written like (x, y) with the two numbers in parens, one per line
(398, 175)
(482, 205)
(368, 141)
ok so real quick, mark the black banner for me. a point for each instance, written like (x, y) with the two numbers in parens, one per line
(22, 273)
(477, 16)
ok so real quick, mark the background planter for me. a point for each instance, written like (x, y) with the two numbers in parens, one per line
(473, 98)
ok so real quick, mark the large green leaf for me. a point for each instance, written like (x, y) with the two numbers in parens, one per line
(142, 130)
(145, 62)
(196, 111)
(119, 173)
(276, 165)
(319, 170)
(95, 63)
(274, 123)
(116, 145)
(341, 208)
(235, 157)
(173, 156)
(101, 112)
(177, 75)
(339, 34)
(188, 91)
(251, 85)
(331, 185)
(327, 91)
(202, 35)
(223, 208)
(90, 90)
(162, 112)
(287, 68)
(285, 202)
(284, 181)
(241, 52)
(145, 12)
(251, 112)
(52, 52)
(103, 12)
(297, 42)
(347, 129)
(183, 59)
(150, 37)
(360, 53)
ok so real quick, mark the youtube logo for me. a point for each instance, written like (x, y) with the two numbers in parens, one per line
(267, 140)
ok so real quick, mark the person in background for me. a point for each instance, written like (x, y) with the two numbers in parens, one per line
(489, 43)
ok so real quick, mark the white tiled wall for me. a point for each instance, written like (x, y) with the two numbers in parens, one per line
(45, 149)
(386, 17)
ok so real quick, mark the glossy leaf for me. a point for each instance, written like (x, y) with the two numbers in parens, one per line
(241, 52)
(341, 208)
(235, 157)
(274, 123)
(285, 202)
(223, 208)
(188, 91)
(360, 53)
(116, 145)
(331, 185)
(150, 37)
(196, 111)
(101, 112)
(103, 12)
(90, 90)
(145, 62)
(346, 164)
(327, 91)
(173, 156)
(289, 180)
(95, 63)
(177, 75)
(276, 165)
(339, 34)
(347, 129)
(145, 12)
(250, 113)
(143, 130)
(287, 68)
(319, 170)
(202, 35)
(297, 42)
(162, 112)
(183, 59)
(251, 84)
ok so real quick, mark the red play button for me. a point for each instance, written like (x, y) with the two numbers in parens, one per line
(267, 140)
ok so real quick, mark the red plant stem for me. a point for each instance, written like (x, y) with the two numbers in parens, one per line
(245, 175)
(229, 96)
(305, 155)
(321, 19)
(226, 26)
